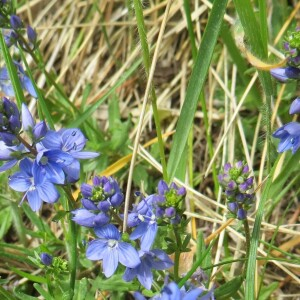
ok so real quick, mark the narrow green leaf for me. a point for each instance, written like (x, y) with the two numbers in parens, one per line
(42, 292)
(31, 277)
(11, 68)
(5, 295)
(250, 276)
(196, 83)
(228, 289)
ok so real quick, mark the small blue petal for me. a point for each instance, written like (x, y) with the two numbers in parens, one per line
(96, 249)
(110, 261)
(128, 256)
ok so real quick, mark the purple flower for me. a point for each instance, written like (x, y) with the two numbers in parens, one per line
(46, 259)
(154, 259)
(285, 74)
(35, 185)
(295, 106)
(289, 135)
(111, 250)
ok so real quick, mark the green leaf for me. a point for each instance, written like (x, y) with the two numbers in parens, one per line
(290, 166)
(196, 83)
(11, 68)
(228, 289)
(6, 221)
(5, 295)
(267, 291)
(42, 292)
(31, 277)
(114, 283)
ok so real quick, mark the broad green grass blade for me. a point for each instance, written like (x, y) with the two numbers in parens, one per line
(196, 83)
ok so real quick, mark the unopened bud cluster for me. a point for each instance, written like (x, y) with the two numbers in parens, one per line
(238, 188)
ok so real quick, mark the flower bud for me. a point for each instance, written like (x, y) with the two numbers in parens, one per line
(285, 74)
(46, 259)
(116, 199)
(170, 212)
(104, 205)
(101, 219)
(233, 207)
(88, 204)
(241, 214)
(31, 34)
(15, 22)
(40, 130)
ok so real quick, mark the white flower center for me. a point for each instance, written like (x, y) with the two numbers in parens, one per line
(112, 243)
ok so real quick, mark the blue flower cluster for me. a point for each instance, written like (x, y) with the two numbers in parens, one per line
(171, 291)
(238, 188)
(289, 134)
(100, 210)
(46, 157)
(13, 31)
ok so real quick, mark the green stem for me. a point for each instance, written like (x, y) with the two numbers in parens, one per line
(247, 236)
(177, 254)
(195, 266)
(72, 242)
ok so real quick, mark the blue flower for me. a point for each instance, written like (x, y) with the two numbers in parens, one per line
(172, 292)
(295, 106)
(111, 250)
(289, 135)
(51, 164)
(154, 259)
(36, 186)
(71, 142)
(6, 85)
(10, 154)
(146, 230)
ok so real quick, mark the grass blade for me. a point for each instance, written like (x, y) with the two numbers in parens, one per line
(196, 83)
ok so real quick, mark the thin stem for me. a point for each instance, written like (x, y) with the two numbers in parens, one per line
(146, 59)
(72, 242)
(195, 266)
(177, 253)
(142, 115)
(247, 236)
